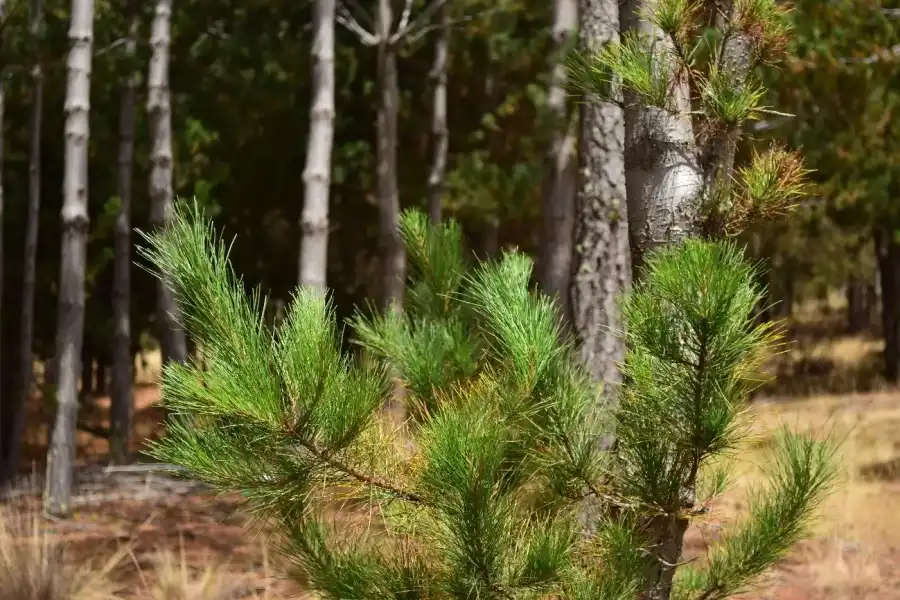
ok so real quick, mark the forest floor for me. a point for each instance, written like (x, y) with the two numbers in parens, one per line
(854, 552)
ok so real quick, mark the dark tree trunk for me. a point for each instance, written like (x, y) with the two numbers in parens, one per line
(887, 249)
(859, 304)
(25, 374)
(121, 401)
(392, 254)
(87, 369)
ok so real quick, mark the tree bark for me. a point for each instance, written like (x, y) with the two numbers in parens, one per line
(2, 147)
(171, 336)
(122, 399)
(558, 197)
(663, 177)
(317, 175)
(887, 250)
(602, 257)
(439, 132)
(391, 250)
(70, 324)
(25, 375)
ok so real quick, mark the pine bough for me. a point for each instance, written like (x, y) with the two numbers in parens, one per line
(483, 493)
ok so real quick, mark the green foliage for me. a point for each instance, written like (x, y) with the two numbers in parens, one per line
(481, 497)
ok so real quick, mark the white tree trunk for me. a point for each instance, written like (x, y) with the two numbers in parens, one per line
(392, 252)
(121, 406)
(70, 324)
(558, 197)
(317, 175)
(663, 175)
(159, 108)
(439, 132)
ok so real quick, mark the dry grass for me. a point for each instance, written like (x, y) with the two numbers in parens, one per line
(856, 542)
(33, 565)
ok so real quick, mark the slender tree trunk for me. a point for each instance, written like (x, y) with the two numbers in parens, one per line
(25, 374)
(122, 400)
(558, 197)
(87, 368)
(663, 177)
(489, 238)
(317, 175)
(70, 324)
(3, 405)
(172, 340)
(602, 257)
(439, 132)
(392, 252)
(858, 304)
(887, 250)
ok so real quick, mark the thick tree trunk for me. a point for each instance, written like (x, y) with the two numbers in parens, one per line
(439, 132)
(391, 250)
(558, 197)
(887, 250)
(70, 324)
(662, 170)
(317, 175)
(602, 258)
(159, 109)
(25, 374)
(122, 400)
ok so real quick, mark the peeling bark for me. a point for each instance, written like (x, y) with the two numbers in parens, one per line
(159, 109)
(663, 177)
(122, 401)
(70, 324)
(558, 197)
(317, 174)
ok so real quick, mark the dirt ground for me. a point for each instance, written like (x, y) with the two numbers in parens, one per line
(855, 552)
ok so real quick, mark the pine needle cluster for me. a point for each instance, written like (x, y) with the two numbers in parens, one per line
(483, 495)
(717, 54)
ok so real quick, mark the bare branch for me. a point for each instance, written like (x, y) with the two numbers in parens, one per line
(368, 20)
(890, 54)
(893, 13)
(404, 18)
(421, 20)
(423, 31)
(345, 19)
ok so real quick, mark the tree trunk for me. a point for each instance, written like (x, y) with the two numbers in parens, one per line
(859, 304)
(439, 132)
(25, 375)
(602, 259)
(122, 400)
(3, 405)
(887, 250)
(70, 324)
(317, 175)
(662, 171)
(558, 197)
(171, 336)
(87, 369)
(391, 250)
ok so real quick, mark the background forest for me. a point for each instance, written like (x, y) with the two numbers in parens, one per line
(229, 104)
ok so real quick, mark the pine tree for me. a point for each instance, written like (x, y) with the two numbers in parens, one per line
(478, 497)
